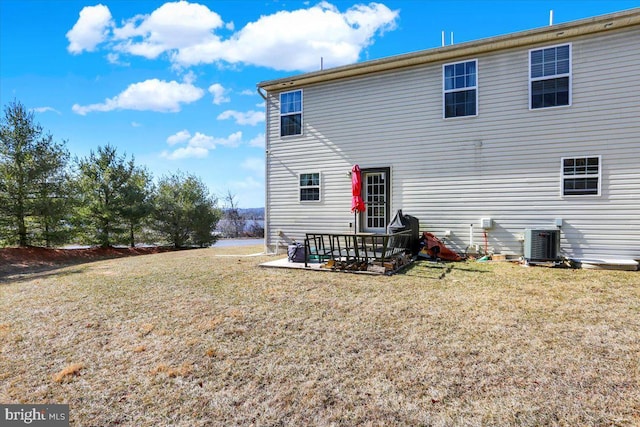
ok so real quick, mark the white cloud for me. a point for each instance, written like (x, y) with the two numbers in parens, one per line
(136, 124)
(201, 140)
(218, 93)
(186, 152)
(199, 144)
(258, 141)
(188, 34)
(149, 95)
(206, 141)
(319, 31)
(45, 109)
(254, 164)
(91, 29)
(189, 77)
(251, 117)
(249, 183)
(248, 92)
(114, 58)
(179, 137)
(173, 26)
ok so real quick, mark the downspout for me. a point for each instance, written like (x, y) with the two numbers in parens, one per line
(266, 169)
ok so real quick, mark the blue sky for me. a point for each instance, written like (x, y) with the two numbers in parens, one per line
(174, 83)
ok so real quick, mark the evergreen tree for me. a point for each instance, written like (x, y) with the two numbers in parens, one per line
(32, 172)
(53, 202)
(103, 181)
(185, 213)
(138, 201)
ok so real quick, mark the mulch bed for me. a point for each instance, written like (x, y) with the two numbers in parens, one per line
(33, 258)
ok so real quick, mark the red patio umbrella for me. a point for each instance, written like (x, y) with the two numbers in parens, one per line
(357, 204)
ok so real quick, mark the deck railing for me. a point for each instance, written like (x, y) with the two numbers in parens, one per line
(355, 248)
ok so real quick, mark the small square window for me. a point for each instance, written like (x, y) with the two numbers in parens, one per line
(581, 176)
(310, 187)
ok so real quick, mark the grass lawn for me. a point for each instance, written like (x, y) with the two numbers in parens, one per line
(192, 339)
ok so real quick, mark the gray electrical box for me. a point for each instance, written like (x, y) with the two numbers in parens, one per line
(541, 245)
(486, 223)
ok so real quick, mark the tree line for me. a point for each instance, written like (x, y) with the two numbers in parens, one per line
(49, 199)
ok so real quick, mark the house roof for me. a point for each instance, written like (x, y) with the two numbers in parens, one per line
(549, 34)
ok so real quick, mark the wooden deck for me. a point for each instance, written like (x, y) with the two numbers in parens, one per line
(361, 253)
(363, 247)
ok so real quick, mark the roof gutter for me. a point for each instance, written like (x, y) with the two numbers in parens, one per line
(555, 33)
(260, 92)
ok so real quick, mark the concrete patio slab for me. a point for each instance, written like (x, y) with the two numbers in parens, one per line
(312, 266)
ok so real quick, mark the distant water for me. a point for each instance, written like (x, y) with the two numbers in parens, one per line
(225, 243)
(248, 224)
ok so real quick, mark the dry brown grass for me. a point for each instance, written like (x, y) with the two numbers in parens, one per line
(68, 372)
(193, 339)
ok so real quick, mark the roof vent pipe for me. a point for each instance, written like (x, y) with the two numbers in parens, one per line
(442, 38)
(551, 17)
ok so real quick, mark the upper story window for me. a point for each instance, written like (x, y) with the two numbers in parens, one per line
(291, 113)
(310, 187)
(460, 83)
(581, 176)
(550, 76)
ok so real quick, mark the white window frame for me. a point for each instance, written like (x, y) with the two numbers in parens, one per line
(446, 91)
(301, 187)
(291, 113)
(586, 175)
(555, 76)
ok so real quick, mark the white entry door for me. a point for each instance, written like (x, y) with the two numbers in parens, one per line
(376, 215)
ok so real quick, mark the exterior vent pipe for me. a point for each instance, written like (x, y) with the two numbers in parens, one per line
(443, 40)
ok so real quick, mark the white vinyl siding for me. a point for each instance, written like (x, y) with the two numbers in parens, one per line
(550, 76)
(503, 164)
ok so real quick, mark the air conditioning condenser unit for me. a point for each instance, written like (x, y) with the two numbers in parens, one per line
(541, 245)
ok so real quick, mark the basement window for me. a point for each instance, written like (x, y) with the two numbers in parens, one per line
(550, 77)
(291, 113)
(310, 187)
(460, 86)
(581, 176)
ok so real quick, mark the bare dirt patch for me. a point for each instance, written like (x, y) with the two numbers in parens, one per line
(31, 259)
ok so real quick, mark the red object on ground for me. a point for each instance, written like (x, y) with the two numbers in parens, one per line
(357, 204)
(436, 249)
